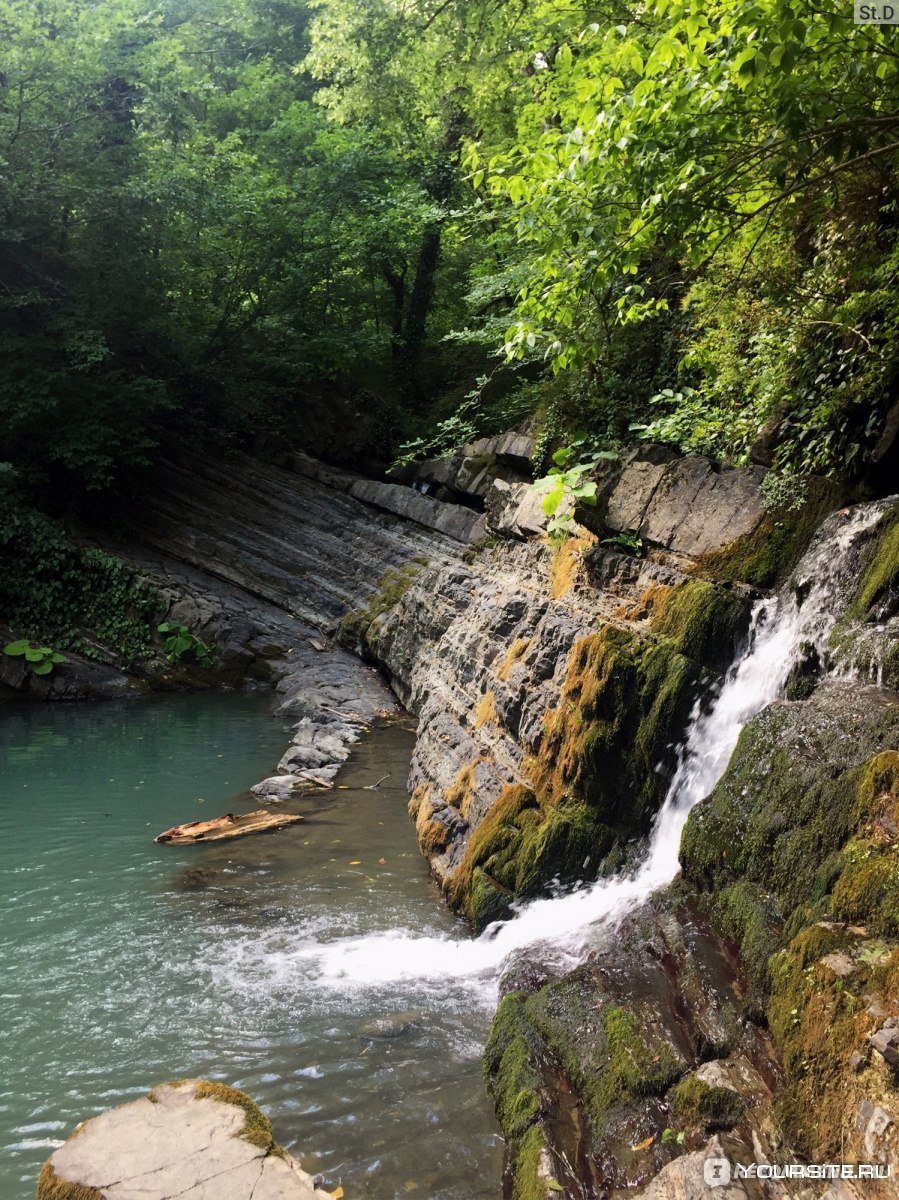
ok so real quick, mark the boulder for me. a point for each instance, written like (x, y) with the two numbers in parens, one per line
(277, 787)
(193, 1140)
(513, 448)
(515, 510)
(682, 504)
(453, 520)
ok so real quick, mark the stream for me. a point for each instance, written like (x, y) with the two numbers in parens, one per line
(124, 964)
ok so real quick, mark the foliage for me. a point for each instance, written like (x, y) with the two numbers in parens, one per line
(230, 220)
(43, 658)
(631, 542)
(65, 594)
(731, 173)
(180, 643)
(567, 480)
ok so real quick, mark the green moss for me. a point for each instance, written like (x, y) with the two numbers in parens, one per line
(819, 1020)
(51, 1187)
(392, 586)
(518, 848)
(746, 915)
(867, 891)
(694, 1103)
(527, 1180)
(766, 556)
(775, 822)
(603, 1051)
(487, 900)
(703, 621)
(257, 1128)
(881, 569)
(513, 1049)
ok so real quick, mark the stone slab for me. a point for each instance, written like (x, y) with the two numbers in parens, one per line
(175, 1144)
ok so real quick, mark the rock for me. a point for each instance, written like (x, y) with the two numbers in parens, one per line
(278, 787)
(516, 448)
(475, 475)
(878, 1124)
(191, 1140)
(627, 1033)
(393, 1025)
(461, 524)
(704, 1174)
(684, 505)
(514, 510)
(886, 1042)
(840, 964)
(77, 678)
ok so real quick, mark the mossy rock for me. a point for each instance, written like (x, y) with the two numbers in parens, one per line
(513, 1049)
(802, 780)
(606, 1050)
(766, 556)
(392, 586)
(529, 1181)
(820, 1019)
(51, 1187)
(695, 1103)
(595, 784)
(880, 568)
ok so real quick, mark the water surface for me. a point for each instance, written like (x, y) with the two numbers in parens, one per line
(123, 963)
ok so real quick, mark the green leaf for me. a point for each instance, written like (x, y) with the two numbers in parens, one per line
(16, 649)
(43, 668)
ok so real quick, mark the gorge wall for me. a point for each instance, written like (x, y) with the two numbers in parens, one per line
(553, 684)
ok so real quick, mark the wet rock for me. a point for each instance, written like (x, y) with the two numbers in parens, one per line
(278, 787)
(393, 1025)
(604, 1059)
(190, 1139)
(196, 879)
(705, 1174)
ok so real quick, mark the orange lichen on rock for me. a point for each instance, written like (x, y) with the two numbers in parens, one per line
(485, 713)
(460, 793)
(566, 562)
(515, 654)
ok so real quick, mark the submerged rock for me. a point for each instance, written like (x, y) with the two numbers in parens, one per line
(192, 1140)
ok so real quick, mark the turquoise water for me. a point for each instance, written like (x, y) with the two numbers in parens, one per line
(124, 963)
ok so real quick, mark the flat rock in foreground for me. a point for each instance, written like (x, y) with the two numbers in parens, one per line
(192, 1140)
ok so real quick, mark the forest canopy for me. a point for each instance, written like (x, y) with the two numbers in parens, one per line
(353, 227)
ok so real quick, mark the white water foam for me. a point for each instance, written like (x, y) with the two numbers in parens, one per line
(781, 630)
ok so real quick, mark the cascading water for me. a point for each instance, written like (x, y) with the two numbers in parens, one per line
(781, 631)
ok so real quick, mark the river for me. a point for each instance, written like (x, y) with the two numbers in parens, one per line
(124, 963)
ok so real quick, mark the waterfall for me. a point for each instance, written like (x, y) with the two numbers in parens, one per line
(782, 629)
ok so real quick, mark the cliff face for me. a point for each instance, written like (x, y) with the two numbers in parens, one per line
(553, 683)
